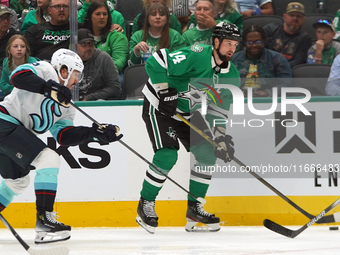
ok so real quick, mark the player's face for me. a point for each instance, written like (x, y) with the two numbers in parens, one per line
(254, 44)
(59, 12)
(157, 19)
(85, 50)
(18, 49)
(5, 22)
(99, 18)
(226, 50)
(75, 78)
(293, 20)
(326, 34)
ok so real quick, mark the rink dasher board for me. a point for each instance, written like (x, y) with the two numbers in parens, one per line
(258, 147)
(120, 181)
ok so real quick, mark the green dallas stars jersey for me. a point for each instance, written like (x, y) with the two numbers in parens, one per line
(193, 72)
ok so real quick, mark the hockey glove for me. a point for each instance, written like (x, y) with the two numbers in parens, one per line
(59, 93)
(106, 133)
(168, 101)
(226, 150)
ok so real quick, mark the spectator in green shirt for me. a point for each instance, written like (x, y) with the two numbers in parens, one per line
(37, 16)
(138, 22)
(155, 35)
(225, 12)
(98, 21)
(201, 33)
(336, 24)
(19, 5)
(18, 53)
(117, 19)
(325, 49)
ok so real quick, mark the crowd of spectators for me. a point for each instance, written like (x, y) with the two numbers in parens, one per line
(265, 58)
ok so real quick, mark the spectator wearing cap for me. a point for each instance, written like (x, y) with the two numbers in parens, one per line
(325, 49)
(6, 31)
(101, 80)
(14, 18)
(288, 38)
(259, 68)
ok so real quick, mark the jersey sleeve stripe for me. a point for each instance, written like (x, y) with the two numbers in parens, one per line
(17, 73)
(61, 134)
(154, 101)
(160, 57)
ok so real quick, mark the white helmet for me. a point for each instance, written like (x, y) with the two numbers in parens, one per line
(68, 58)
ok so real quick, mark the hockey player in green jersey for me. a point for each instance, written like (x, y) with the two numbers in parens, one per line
(178, 82)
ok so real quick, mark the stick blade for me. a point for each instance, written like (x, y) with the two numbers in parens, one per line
(271, 225)
(50, 251)
(327, 219)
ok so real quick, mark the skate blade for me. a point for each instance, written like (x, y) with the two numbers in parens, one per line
(147, 227)
(191, 227)
(51, 237)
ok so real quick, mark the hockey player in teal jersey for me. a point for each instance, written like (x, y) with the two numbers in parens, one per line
(178, 81)
(37, 104)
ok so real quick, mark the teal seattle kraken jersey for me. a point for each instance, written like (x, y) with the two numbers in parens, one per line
(33, 110)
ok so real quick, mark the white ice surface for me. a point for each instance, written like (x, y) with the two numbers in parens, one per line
(316, 240)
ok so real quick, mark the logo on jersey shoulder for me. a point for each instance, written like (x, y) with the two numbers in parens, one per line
(196, 48)
(45, 121)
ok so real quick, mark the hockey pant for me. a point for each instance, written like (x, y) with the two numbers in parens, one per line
(165, 134)
(20, 149)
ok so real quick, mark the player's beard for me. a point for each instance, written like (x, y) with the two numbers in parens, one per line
(224, 58)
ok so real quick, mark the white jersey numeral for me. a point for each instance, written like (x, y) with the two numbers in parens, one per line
(178, 58)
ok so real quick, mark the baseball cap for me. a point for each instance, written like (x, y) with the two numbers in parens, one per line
(295, 7)
(85, 35)
(4, 10)
(324, 23)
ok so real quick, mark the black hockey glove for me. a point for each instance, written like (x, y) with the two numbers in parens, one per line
(59, 93)
(168, 101)
(226, 150)
(107, 133)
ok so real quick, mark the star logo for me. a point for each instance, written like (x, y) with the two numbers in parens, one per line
(172, 133)
(193, 95)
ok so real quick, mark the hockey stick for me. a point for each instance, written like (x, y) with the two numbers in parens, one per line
(199, 199)
(30, 250)
(293, 233)
(326, 219)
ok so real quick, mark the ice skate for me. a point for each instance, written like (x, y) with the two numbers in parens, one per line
(147, 217)
(49, 229)
(195, 214)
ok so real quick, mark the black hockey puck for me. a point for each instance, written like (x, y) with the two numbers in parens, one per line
(333, 228)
